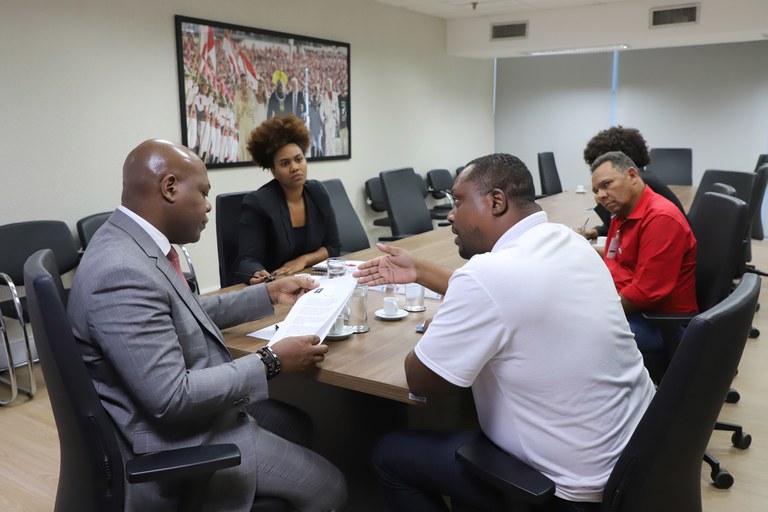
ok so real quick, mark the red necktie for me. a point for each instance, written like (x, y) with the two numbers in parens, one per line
(173, 257)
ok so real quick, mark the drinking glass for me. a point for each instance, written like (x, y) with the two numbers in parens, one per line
(358, 309)
(337, 267)
(414, 297)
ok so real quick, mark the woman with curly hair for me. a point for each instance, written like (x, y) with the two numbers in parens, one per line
(287, 224)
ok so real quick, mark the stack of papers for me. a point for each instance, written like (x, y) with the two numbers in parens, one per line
(314, 312)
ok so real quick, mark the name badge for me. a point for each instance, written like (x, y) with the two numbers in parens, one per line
(612, 248)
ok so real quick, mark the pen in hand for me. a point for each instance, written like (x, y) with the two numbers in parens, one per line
(268, 279)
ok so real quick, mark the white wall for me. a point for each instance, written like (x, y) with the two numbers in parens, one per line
(711, 98)
(609, 22)
(84, 81)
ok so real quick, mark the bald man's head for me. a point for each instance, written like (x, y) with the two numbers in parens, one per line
(167, 184)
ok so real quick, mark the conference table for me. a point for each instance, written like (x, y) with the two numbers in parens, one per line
(372, 363)
(359, 392)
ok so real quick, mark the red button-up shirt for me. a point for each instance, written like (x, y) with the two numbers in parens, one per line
(653, 263)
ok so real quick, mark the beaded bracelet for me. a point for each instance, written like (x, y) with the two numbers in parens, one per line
(270, 360)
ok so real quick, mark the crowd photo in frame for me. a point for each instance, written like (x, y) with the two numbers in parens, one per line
(232, 78)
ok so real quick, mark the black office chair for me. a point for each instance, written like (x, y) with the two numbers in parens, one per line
(18, 241)
(440, 184)
(227, 235)
(674, 166)
(376, 200)
(747, 186)
(351, 231)
(756, 206)
(743, 182)
(87, 226)
(660, 468)
(757, 222)
(438, 212)
(548, 175)
(92, 470)
(406, 208)
(718, 226)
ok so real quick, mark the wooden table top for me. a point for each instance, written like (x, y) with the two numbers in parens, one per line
(373, 362)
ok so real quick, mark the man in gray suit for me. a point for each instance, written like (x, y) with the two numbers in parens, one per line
(157, 356)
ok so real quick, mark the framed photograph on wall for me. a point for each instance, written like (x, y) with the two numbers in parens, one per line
(232, 78)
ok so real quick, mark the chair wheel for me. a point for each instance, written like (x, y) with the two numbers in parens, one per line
(754, 333)
(732, 397)
(722, 478)
(741, 440)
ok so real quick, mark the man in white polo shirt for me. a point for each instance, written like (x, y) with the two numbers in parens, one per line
(533, 324)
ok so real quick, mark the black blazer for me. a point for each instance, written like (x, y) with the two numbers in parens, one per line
(265, 240)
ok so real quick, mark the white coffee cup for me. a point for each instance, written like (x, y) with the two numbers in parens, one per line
(601, 241)
(391, 306)
(338, 325)
(580, 189)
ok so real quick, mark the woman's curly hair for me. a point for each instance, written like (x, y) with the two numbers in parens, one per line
(617, 138)
(266, 139)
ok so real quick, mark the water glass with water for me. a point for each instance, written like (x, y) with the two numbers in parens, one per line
(414, 297)
(358, 309)
(337, 267)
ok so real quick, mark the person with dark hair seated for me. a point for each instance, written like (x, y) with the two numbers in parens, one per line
(650, 249)
(558, 384)
(287, 224)
(632, 143)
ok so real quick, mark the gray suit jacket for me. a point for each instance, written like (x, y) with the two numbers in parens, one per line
(159, 362)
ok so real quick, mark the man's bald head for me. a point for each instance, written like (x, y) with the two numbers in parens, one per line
(159, 180)
(148, 164)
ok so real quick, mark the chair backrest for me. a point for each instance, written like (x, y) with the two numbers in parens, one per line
(548, 175)
(91, 476)
(406, 207)
(743, 182)
(227, 235)
(351, 231)
(21, 239)
(376, 199)
(440, 181)
(761, 160)
(674, 166)
(758, 192)
(718, 226)
(660, 468)
(722, 188)
(87, 226)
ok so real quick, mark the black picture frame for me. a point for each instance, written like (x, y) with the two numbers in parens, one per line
(232, 77)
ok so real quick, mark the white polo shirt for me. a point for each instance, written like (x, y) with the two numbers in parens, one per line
(537, 329)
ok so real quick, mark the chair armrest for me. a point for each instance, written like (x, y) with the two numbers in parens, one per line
(182, 462)
(667, 318)
(514, 478)
(391, 238)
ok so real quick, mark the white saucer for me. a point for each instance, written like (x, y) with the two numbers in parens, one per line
(344, 334)
(401, 313)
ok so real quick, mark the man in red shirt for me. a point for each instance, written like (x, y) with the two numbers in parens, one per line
(650, 249)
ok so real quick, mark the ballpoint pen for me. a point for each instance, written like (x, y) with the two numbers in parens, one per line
(269, 278)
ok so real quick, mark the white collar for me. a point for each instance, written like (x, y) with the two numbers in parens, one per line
(160, 239)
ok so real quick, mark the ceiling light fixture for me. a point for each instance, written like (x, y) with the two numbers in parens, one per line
(572, 51)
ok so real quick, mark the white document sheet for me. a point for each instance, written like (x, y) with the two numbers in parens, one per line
(316, 310)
